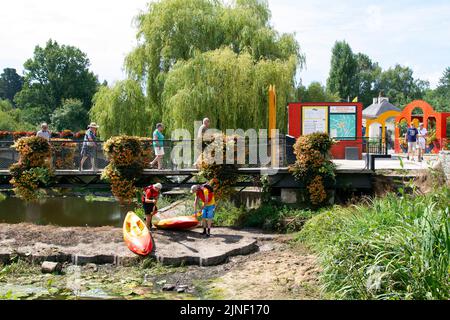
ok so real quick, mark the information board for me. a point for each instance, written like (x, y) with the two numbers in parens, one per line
(343, 126)
(342, 109)
(315, 119)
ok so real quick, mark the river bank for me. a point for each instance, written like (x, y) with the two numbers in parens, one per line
(278, 270)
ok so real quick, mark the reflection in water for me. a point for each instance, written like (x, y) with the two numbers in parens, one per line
(67, 212)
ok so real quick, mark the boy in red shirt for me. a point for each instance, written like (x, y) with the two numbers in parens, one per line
(149, 201)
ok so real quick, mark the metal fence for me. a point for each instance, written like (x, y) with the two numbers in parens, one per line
(66, 155)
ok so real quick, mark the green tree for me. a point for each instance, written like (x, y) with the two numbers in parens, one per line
(343, 78)
(400, 86)
(55, 73)
(11, 119)
(121, 110)
(315, 92)
(10, 84)
(230, 88)
(439, 98)
(367, 74)
(173, 31)
(72, 115)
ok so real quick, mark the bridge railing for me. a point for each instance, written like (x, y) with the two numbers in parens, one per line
(69, 154)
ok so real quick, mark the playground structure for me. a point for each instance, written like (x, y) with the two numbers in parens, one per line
(437, 124)
(379, 122)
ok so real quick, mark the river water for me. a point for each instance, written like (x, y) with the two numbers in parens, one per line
(63, 211)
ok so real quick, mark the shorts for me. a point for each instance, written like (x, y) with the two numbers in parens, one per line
(412, 146)
(208, 212)
(148, 208)
(87, 151)
(421, 144)
(159, 151)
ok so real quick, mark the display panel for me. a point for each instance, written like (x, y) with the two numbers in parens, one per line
(343, 126)
(315, 119)
(342, 109)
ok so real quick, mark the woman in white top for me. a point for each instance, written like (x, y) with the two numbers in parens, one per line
(422, 141)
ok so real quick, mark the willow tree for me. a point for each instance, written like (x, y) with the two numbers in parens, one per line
(121, 109)
(173, 32)
(231, 89)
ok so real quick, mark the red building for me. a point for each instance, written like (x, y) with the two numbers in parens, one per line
(341, 120)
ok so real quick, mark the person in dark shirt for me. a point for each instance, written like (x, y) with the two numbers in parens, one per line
(411, 138)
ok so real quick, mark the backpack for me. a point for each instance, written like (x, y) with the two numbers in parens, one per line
(210, 192)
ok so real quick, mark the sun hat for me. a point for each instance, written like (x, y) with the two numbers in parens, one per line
(93, 125)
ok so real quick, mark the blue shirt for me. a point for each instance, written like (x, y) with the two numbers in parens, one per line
(88, 135)
(160, 138)
(412, 134)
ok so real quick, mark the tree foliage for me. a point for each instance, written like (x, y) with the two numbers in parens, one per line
(399, 85)
(70, 116)
(10, 84)
(343, 71)
(12, 119)
(440, 97)
(356, 75)
(315, 92)
(55, 73)
(228, 87)
(121, 109)
(175, 35)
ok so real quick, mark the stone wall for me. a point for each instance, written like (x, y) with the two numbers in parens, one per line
(444, 157)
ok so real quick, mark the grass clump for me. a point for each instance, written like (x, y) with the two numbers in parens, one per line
(389, 248)
(269, 217)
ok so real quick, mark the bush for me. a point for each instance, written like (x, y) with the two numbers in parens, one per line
(32, 172)
(390, 248)
(221, 177)
(313, 167)
(125, 167)
(268, 217)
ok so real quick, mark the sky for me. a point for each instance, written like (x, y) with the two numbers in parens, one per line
(412, 33)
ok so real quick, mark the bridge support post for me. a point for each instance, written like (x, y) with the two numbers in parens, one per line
(289, 196)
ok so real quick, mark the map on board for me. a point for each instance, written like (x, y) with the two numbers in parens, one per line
(343, 125)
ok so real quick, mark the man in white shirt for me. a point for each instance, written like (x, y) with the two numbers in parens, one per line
(44, 133)
(422, 141)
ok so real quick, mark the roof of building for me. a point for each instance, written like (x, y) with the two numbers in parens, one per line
(377, 108)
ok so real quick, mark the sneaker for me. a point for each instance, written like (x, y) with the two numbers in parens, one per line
(204, 231)
(208, 235)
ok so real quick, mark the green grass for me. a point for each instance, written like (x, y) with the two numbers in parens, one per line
(269, 217)
(389, 248)
(2, 197)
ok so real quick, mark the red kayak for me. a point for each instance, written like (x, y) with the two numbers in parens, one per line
(177, 223)
(136, 235)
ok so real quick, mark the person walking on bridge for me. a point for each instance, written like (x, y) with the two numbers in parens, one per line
(158, 146)
(206, 194)
(89, 145)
